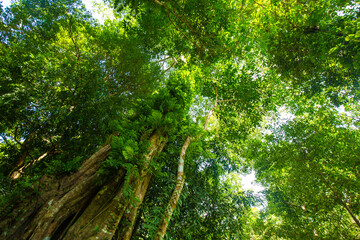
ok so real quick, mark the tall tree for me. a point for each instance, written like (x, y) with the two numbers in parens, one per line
(176, 88)
(311, 166)
(89, 85)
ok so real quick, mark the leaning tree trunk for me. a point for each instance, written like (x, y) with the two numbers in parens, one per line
(76, 207)
(180, 180)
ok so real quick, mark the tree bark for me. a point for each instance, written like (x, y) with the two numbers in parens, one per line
(76, 207)
(180, 180)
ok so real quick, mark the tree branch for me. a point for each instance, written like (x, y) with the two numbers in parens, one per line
(163, 5)
(172, 65)
(337, 195)
(162, 60)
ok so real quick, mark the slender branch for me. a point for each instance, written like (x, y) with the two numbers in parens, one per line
(162, 60)
(182, 32)
(337, 195)
(207, 119)
(175, 14)
(172, 65)
(20, 168)
(163, 5)
(212, 110)
(16, 174)
(15, 136)
(228, 100)
(77, 52)
(4, 139)
(216, 96)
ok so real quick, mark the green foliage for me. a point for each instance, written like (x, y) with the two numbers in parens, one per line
(68, 82)
(312, 44)
(64, 78)
(206, 30)
(164, 112)
(310, 166)
(59, 167)
(209, 207)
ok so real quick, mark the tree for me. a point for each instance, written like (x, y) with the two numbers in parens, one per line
(55, 84)
(172, 85)
(86, 68)
(65, 78)
(311, 44)
(310, 166)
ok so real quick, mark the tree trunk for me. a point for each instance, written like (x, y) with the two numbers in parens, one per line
(180, 180)
(76, 207)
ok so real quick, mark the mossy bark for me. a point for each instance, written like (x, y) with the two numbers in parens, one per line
(76, 207)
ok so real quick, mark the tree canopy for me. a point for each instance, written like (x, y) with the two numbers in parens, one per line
(141, 125)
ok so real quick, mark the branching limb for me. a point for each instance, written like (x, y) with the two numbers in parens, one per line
(172, 65)
(175, 14)
(77, 51)
(162, 60)
(177, 28)
(339, 198)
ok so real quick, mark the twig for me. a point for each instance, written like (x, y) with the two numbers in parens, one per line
(163, 59)
(172, 65)
(163, 5)
(176, 15)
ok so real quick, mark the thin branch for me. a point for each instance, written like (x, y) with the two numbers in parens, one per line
(172, 65)
(5, 139)
(337, 195)
(180, 180)
(228, 100)
(207, 119)
(212, 110)
(182, 32)
(16, 174)
(77, 51)
(163, 5)
(175, 14)
(15, 136)
(162, 60)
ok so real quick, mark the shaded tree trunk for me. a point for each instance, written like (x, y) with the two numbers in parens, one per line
(76, 207)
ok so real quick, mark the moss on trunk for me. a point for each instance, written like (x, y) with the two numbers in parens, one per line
(75, 207)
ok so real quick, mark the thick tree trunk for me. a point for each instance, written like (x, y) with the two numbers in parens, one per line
(76, 207)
